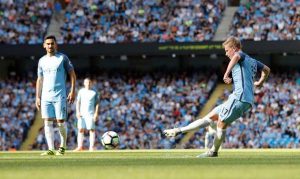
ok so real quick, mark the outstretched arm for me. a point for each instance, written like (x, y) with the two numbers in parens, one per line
(264, 75)
(231, 64)
(71, 95)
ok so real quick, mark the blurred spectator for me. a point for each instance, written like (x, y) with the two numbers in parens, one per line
(24, 21)
(141, 21)
(267, 20)
(17, 111)
(273, 121)
(138, 107)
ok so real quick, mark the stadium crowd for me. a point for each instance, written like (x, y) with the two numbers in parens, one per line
(139, 107)
(105, 21)
(141, 21)
(267, 20)
(24, 21)
(17, 112)
(273, 122)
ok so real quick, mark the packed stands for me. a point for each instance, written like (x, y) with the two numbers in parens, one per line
(138, 107)
(24, 21)
(273, 122)
(141, 21)
(267, 20)
(17, 112)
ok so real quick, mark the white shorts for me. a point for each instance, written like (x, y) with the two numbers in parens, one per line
(86, 123)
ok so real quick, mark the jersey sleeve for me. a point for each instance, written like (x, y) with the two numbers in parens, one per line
(242, 55)
(260, 66)
(67, 64)
(40, 70)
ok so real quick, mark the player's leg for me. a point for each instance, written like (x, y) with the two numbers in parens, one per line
(218, 140)
(235, 111)
(206, 140)
(219, 137)
(200, 123)
(230, 111)
(225, 114)
(92, 140)
(80, 139)
(80, 136)
(63, 136)
(61, 116)
(210, 133)
(47, 111)
(90, 125)
(49, 135)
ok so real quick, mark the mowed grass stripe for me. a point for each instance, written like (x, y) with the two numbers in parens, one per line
(152, 164)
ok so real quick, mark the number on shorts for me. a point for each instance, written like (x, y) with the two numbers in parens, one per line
(225, 111)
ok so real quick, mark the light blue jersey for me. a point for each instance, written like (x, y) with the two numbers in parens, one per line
(243, 74)
(54, 71)
(88, 100)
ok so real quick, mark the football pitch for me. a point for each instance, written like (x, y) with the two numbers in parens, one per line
(152, 164)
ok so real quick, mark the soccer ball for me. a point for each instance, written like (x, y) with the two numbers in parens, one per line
(110, 140)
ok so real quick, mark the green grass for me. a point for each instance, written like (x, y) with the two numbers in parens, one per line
(152, 164)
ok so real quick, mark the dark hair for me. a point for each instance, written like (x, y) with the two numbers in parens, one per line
(50, 37)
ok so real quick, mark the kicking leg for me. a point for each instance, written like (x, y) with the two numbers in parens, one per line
(200, 123)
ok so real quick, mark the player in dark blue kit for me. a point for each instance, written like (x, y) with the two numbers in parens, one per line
(243, 69)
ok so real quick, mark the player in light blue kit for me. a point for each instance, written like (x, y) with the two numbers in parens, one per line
(243, 69)
(51, 93)
(87, 113)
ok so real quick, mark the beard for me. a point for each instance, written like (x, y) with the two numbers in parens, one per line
(52, 50)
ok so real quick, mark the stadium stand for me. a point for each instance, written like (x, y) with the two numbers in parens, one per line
(24, 21)
(141, 21)
(138, 107)
(17, 112)
(267, 20)
(145, 21)
(273, 121)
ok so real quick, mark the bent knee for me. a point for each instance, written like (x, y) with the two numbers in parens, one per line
(222, 125)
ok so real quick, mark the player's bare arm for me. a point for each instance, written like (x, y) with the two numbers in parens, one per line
(71, 95)
(39, 84)
(96, 112)
(78, 114)
(263, 77)
(234, 60)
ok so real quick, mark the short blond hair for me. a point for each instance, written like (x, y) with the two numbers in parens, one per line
(233, 42)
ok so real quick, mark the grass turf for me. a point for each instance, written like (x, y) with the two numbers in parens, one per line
(152, 164)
